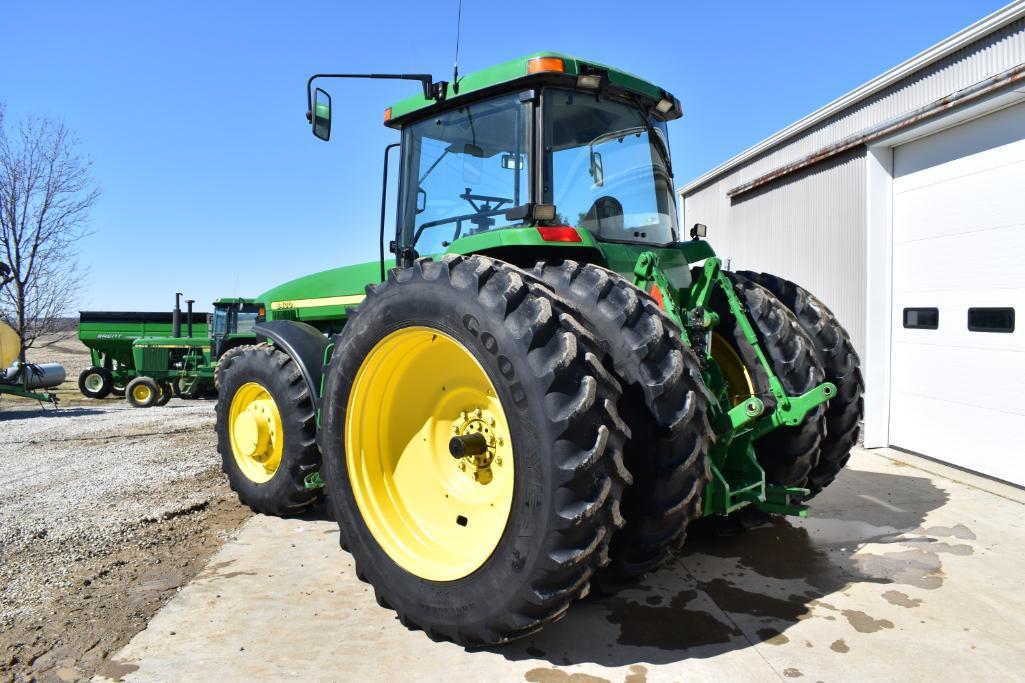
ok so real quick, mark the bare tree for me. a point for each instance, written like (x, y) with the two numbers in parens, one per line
(46, 191)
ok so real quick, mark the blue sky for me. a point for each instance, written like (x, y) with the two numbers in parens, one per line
(193, 113)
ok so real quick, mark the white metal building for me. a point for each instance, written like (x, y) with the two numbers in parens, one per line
(902, 206)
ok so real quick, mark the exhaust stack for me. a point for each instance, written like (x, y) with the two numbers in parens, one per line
(188, 316)
(176, 316)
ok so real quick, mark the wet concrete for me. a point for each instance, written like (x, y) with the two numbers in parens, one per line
(901, 572)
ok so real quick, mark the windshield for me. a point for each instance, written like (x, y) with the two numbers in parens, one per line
(462, 170)
(245, 322)
(607, 168)
(220, 320)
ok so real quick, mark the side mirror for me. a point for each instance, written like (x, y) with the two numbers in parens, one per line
(421, 200)
(322, 114)
(597, 169)
(512, 162)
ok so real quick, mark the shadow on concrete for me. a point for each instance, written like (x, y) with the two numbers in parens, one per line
(726, 592)
(318, 512)
(48, 411)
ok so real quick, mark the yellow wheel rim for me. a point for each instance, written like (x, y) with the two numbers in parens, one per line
(255, 431)
(141, 393)
(738, 380)
(437, 516)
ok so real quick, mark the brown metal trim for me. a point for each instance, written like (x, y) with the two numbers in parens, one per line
(963, 96)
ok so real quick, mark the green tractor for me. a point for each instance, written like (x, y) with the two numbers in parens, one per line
(145, 357)
(547, 385)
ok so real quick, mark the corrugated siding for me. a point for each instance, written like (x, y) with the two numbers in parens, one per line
(810, 226)
(986, 57)
(810, 229)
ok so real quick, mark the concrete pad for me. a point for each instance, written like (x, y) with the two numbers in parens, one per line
(901, 573)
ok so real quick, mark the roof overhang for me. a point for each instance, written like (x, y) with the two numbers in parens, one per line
(981, 28)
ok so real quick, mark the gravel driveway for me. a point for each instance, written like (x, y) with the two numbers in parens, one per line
(105, 510)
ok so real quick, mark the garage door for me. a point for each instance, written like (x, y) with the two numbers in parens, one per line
(958, 357)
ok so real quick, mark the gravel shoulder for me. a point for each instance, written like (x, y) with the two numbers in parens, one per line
(105, 512)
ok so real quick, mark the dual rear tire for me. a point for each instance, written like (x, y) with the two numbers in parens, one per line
(835, 353)
(664, 402)
(805, 345)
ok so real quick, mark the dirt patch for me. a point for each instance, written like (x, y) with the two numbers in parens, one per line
(105, 511)
(69, 631)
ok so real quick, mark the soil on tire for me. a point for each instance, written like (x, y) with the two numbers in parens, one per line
(664, 402)
(564, 427)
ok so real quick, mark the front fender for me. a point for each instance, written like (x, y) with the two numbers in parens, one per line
(304, 343)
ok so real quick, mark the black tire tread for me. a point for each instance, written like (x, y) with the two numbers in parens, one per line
(664, 402)
(225, 360)
(105, 390)
(835, 351)
(788, 454)
(300, 458)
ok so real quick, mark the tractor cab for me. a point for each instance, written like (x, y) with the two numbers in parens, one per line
(233, 318)
(542, 150)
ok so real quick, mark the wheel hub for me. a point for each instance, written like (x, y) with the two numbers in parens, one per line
(253, 430)
(93, 382)
(474, 443)
(432, 471)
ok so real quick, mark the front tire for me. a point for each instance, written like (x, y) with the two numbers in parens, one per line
(435, 351)
(267, 431)
(96, 382)
(664, 403)
(142, 392)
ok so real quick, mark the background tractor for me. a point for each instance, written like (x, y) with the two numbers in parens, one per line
(145, 357)
(548, 383)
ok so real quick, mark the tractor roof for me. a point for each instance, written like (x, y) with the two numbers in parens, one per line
(524, 70)
(233, 300)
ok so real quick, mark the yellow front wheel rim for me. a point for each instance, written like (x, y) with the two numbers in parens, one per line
(255, 431)
(739, 383)
(437, 516)
(141, 393)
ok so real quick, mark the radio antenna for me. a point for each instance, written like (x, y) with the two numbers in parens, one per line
(455, 66)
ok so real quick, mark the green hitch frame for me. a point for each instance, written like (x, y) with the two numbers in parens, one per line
(738, 480)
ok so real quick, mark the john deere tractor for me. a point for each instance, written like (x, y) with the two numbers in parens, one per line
(547, 383)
